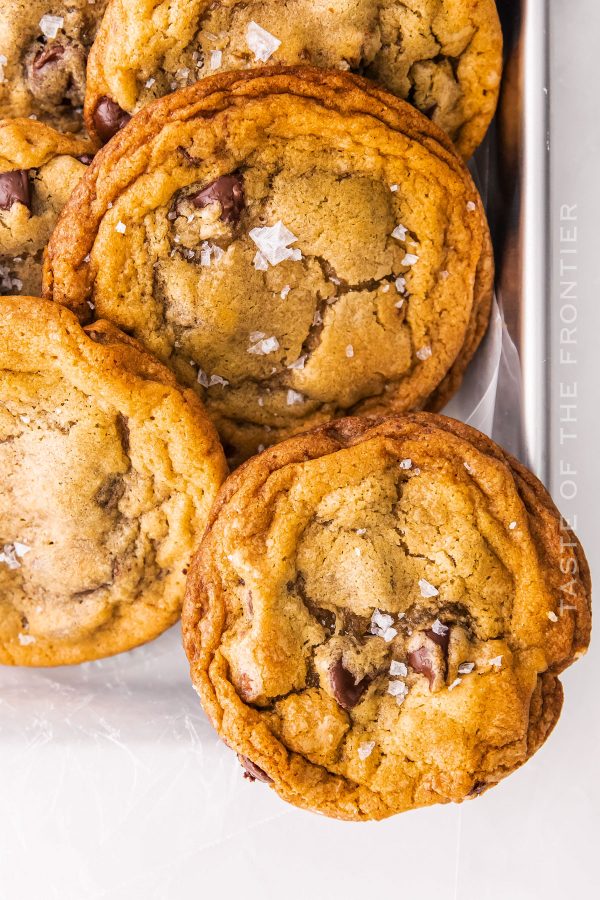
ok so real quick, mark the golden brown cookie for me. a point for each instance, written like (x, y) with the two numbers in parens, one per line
(39, 167)
(378, 613)
(107, 473)
(298, 244)
(443, 56)
(43, 53)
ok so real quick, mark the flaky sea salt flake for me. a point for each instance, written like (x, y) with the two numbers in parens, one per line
(496, 661)
(262, 43)
(349, 351)
(400, 232)
(409, 259)
(405, 463)
(294, 397)
(51, 25)
(398, 668)
(216, 59)
(552, 616)
(439, 628)
(365, 749)
(272, 241)
(121, 227)
(264, 346)
(26, 639)
(454, 684)
(423, 353)
(259, 262)
(427, 590)
(466, 668)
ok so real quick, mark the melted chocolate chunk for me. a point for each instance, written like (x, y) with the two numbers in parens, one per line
(421, 661)
(253, 772)
(14, 188)
(49, 53)
(110, 492)
(109, 118)
(56, 73)
(228, 190)
(344, 689)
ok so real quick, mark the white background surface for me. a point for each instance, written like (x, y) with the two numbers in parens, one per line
(108, 820)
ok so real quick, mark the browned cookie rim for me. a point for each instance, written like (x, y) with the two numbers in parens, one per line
(293, 777)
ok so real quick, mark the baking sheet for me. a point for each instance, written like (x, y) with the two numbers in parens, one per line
(113, 784)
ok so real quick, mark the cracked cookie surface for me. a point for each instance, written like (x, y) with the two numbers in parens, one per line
(43, 55)
(39, 167)
(296, 244)
(378, 613)
(107, 471)
(444, 56)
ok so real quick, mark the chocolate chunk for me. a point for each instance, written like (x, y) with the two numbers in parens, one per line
(109, 118)
(110, 492)
(228, 190)
(421, 661)
(49, 53)
(345, 690)
(56, 73)
(14, 188)
(478, 788)
(122, 426)
(253, 772)
(426, 660)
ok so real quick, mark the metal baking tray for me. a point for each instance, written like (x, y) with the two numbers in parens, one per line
(517, 166)
(111, 773)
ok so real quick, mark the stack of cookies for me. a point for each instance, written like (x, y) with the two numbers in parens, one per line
(277, 263)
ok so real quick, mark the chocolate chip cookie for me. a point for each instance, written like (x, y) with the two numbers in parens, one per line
(378, 613)
(296, 243)
(43, 53)
(443, 56)
(39, 167)
(107, 472)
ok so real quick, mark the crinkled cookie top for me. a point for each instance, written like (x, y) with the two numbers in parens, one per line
(443, 56)
(107, 474)
(297, 244)
(43, 55)
(377, 615)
